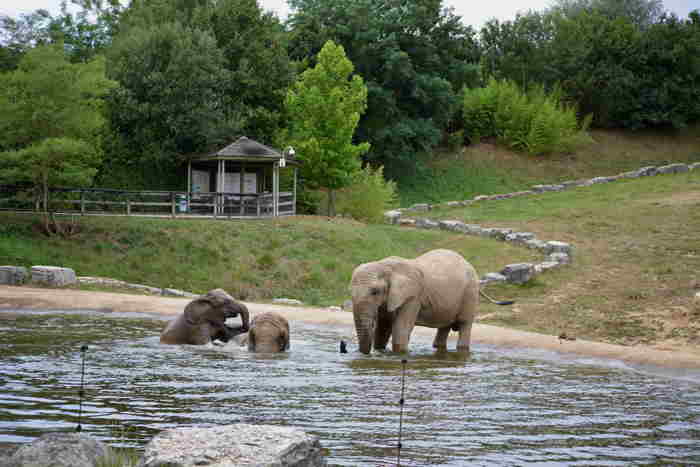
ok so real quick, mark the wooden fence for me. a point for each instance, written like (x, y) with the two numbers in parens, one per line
(147, 203)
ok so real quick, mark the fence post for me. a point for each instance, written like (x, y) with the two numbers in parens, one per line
(128, 205)
(172, 204)
(82, 202)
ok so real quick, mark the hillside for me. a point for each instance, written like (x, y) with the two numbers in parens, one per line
(637, 244)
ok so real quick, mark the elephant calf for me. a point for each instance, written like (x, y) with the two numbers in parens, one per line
(269, 332)
(204, 320)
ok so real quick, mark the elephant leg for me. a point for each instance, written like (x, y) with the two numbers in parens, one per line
(383, 330)
(465, 334)
(404, 323)
(440, 341)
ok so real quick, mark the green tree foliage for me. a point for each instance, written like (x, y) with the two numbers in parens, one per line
(639, 12)
(324, 107)
(259, 70)
(535, 122)
(49, 97)
(51, 113)
(414, 56)
(171, 101)
(193, 74)
(368, 196)
(625, 74)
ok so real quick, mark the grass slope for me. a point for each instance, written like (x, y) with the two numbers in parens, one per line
(307, 258)
(636, 266)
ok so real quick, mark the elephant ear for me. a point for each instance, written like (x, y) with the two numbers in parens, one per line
(405, 284)
(203, 309)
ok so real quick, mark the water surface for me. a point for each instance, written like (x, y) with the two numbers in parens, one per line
(496, 407)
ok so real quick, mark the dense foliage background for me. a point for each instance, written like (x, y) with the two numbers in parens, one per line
(192, 75)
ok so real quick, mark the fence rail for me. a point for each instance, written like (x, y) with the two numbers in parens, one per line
(147, 203)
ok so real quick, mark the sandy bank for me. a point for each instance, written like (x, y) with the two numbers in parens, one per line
(38, 298)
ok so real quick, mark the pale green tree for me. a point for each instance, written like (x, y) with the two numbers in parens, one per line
(51, 114)
(324, 107)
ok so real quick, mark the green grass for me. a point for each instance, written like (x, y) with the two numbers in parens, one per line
(636, 260)
(487, 168)
(310, 259)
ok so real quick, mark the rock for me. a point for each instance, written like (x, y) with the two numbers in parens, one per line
(543, 188)
(535, 244)
(602, 180)
(13, 275)
(694, 166)
(173, 293)
(518, 273)
(287, 301)
(334, 308)
(420, 207)
(558, 247)
(519, 237)
(493, 277)
(647, 171)
(392, 217)
(232, 446)
(546, 265)
(407, 222)
(453, 204)
(452, 226)
(673, 169)
(60, 450)
(559, 258)
(427, 224)
(53, 276)
(347, 305)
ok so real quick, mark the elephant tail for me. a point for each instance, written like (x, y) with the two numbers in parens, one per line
(493, 300)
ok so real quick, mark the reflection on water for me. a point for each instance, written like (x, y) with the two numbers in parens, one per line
(494, 407)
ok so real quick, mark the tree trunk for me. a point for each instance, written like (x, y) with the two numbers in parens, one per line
(331, 203)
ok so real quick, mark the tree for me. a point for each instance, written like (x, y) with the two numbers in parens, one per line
(171, 99)
(324, 107)
(641, 13)
(414, 56)
(50, 118)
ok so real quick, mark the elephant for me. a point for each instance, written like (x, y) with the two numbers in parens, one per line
(269, 332)
(204, 320)
(439, 289)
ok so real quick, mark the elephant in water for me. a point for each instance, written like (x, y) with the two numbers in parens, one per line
(269, 332)
(204, 320)
(439, 289)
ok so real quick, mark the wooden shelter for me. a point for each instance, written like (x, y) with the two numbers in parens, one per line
(242, 180)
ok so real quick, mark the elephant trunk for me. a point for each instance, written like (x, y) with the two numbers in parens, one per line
(238, 308)
(365, 320)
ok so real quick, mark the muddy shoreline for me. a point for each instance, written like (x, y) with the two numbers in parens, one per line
(12, 297)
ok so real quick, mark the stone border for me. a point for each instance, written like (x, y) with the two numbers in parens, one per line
(556, 253)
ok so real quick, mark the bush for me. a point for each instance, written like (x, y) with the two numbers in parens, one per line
(536, 122)
(368, 197)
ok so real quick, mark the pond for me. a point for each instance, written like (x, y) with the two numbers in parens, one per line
(496, 407)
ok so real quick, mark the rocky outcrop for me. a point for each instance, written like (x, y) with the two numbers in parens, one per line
(232, 446)
(13, 275)
(53, 276)
(59, 450)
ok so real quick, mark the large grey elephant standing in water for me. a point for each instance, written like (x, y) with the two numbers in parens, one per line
(439, 289)
(204, 320)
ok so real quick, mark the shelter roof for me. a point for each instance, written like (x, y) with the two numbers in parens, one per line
(247, 149)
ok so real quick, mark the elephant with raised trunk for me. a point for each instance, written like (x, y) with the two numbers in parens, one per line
(204, 320)
(439, 289)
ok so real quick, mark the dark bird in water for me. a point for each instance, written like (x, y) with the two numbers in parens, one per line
(343, 347)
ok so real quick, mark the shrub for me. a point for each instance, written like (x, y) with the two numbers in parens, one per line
(536, 122)
(369, 195)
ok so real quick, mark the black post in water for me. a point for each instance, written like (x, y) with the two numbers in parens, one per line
(79, 428)
(401, 401)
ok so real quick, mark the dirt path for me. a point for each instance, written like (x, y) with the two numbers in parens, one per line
(36, 298)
